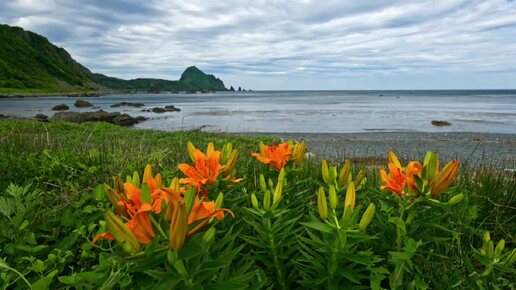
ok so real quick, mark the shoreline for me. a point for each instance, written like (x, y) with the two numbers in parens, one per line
(474, 149)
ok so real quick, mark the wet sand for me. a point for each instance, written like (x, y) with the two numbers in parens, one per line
(492, 150)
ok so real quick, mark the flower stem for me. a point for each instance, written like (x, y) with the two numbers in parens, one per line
(277, 264)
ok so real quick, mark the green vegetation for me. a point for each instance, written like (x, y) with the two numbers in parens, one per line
(198, 79)
(30, 61)
(192, 79)
(51, 208)
(30, 64)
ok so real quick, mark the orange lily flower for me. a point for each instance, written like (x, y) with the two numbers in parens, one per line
(276, 155)
(205, 170)
(206, 209)
(396, 182)
(400, 177)
(138, 223)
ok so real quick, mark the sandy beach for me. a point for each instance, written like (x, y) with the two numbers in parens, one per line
(472, 149)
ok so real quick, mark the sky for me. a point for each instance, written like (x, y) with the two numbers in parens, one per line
(290, 44)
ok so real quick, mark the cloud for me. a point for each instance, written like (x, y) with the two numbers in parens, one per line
(286, 44)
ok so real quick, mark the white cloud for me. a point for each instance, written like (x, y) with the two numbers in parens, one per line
(289, 40)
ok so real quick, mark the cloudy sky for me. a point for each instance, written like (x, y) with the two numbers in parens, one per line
(273, 44)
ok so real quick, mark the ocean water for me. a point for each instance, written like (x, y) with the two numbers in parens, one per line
(492, 111)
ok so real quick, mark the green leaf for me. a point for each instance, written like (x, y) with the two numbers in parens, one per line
(44, 283)
(322, 227)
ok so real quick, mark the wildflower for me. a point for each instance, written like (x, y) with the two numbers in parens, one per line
(205, 171)
(396, 182)
(276, 155)
(135, 211)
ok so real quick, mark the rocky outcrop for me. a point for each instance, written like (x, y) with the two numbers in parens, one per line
(82, 104)
(160, 110)
(60, 107)
(440, 123)
(127, 104)
(41, 117)
(97, 116)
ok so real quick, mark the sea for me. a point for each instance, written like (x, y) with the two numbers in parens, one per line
(483, 111)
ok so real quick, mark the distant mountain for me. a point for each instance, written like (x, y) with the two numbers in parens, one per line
(142, 84)
(29, 61)
(191, 79)
(196, 78)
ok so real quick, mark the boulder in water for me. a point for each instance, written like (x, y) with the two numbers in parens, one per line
(60, 107)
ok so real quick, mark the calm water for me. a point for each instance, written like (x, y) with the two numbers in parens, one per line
(307, 111)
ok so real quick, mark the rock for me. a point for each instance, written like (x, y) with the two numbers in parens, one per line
(440, 123)
(164, 109)
(172, 109)
(82, 104)
(124, 120)
(205, 91)
(102, 116)
(158, 110)
(140, 119)
(61, 107)
(41, 117)
(127, 104)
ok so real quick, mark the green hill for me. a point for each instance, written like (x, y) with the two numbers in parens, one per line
(191, 79)
(30, 61)
(198, 79)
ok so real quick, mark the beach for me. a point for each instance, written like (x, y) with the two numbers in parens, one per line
(491, 150)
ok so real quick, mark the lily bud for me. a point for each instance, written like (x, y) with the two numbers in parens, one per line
(174, 184)
(367, 217)
(263, 185)
(210, 149)
(349, 202)
(262, 149)
(190, 148)
(267, 199)
(279, 187)
(189, 199)
(136, 179)
(360, 177)
(431, 165)
(114, 198)
(487, 236)
(208, 236)
(444, 179)
(334, 201)
(299, 153)
(231, 162)
(325, 172)
(499, 248)
(254, 201)
(147, 173)
(121, 232)
(227, 149)
(344, 173)
(456, 199)
(393, 159)
(219, 200)
(178, 228)
(321, 203)
(271, 183)
(332, 175)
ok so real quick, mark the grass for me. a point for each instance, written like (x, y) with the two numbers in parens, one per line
(59, 165)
